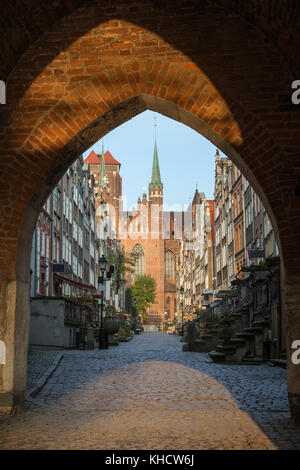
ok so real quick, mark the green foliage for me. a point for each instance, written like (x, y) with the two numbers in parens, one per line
(121, 263)
(129, 307)
(109, 310)
(144, 291)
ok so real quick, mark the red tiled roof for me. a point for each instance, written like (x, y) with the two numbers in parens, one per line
(93, 159)
(109, 159)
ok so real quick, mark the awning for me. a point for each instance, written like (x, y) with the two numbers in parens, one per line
(77, 284)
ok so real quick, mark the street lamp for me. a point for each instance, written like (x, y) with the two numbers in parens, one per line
(102, 263)
(181, 305)
(103, 339)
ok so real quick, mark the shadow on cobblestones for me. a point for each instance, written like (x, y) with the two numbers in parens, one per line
(148, 394)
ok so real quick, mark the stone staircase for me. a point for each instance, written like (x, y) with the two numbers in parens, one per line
(207, 341)
(245, 344)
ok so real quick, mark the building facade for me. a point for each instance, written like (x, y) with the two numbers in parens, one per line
(243, 231)
(196, 269)
(107, 193)
(152, 236)
(63, 259)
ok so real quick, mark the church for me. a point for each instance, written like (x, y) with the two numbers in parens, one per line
(151, 234)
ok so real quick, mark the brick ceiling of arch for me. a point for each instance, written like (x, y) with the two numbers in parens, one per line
(78, 73)
(22, 26)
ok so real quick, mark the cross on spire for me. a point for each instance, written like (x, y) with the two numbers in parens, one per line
(155, 180)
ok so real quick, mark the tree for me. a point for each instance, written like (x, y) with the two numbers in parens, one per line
(143, 291)
(128, 301)
(122, 263)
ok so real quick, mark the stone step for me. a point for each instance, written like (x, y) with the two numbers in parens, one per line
(212, 332)
(245, 335)
(279, 362)
(238, 342)
(216, 356)
(261, 323)
(227, 320)
(227, 350)
(243, 309)
(237, 315)
(200, 341)
(197, 346)
(253, 360)
(254, 329)
(206, 337)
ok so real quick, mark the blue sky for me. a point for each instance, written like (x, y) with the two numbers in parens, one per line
(185, 158)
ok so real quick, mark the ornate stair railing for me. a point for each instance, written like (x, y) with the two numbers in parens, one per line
(209, 314)
(245, 299)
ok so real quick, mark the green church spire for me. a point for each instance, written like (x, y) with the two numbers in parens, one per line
(103, 181)
(155, 180)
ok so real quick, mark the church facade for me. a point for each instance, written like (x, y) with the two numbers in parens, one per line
(149, 233)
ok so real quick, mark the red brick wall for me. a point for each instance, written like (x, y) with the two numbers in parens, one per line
(229, 82)
(75, 70)
(154, 265)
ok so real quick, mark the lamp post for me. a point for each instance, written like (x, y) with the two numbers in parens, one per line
(103, 339)
(181, 305)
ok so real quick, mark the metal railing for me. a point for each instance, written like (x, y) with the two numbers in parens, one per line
(209, 314)
(245, 299)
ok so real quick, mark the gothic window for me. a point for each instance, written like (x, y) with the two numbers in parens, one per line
(138, 255)
(169, 265)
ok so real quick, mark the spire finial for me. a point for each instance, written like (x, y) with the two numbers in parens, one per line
(155, 126)
(155, 180)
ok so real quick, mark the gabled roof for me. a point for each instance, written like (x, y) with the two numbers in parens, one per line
(94, 159)
(109, 159)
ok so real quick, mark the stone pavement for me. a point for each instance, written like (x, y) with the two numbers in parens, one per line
(148, 394)
(37, 364)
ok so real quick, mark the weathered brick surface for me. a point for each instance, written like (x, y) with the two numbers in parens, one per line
(75, 70)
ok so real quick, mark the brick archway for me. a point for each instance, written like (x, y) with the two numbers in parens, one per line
(91, 69)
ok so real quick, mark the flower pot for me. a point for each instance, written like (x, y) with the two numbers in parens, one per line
(111, 325)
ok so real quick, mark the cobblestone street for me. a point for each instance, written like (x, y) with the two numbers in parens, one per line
(148, 394)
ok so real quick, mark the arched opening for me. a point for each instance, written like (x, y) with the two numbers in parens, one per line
(170, 263)
(212, 89)
(138, 255)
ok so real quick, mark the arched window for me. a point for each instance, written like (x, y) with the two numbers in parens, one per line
(169, 265)
(138, 255)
